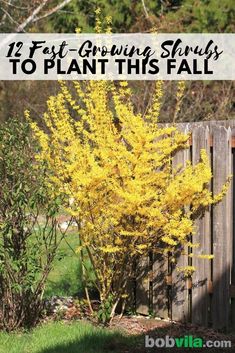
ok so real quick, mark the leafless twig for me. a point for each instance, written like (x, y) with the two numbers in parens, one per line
(53, 10)
(4, 15)
(30, 18)
(145, 9)
(9, 3)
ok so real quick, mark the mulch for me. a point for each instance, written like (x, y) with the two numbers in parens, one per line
(156, 328)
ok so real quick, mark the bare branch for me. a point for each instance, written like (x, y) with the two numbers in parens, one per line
(4, 15)
(29, 19)
(33, 16)
(145, 9)
(3, 19)
(9, 3)
(53, 10)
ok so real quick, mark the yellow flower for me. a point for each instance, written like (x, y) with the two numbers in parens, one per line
(116, 165)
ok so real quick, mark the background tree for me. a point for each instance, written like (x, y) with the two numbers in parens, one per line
(212, 100)
(25, 16)
(139, 16)
(18, 15)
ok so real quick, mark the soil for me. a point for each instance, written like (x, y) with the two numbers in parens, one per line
(155, 328)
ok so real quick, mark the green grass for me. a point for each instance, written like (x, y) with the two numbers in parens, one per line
(59, 337)
(65, 278)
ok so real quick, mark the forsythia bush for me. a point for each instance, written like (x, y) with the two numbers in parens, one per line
(114, 166)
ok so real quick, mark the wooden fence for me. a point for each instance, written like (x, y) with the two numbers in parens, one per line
(209, 298)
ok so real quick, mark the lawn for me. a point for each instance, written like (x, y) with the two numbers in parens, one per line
(59, 337)
(65, 279)
(63, 337)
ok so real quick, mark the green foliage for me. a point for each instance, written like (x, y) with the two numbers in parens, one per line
(128, 16)
(166, 16)
(105, 309)
(82, 14)
(28, 228)
(198, 16)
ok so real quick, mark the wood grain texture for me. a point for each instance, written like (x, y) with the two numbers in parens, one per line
(222, 229)
(212, 290)
(200, 297)
(179, 293)
(142, 285)
(160, 289)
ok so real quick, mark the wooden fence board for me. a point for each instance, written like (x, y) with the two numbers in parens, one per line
(233, 243)
(160, 290)
(229, 205)
(221, 229)
(179, 292)
(215, 232)
(200, 297)
(142, 285)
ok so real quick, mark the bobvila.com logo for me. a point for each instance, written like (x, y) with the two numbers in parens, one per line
(184, 342)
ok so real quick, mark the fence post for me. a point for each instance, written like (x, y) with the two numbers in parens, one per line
(222, 227)
(200, 296)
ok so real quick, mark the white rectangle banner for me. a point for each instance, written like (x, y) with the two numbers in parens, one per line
(135, 56)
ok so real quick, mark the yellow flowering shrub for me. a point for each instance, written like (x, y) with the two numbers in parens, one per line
(113, 167)
(116, 167)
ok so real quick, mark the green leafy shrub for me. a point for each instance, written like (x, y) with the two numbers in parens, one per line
(29, 234)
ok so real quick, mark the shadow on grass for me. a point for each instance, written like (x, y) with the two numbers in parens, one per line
(64, 287)
(111, 342)
(65, 279)
(104, 342)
